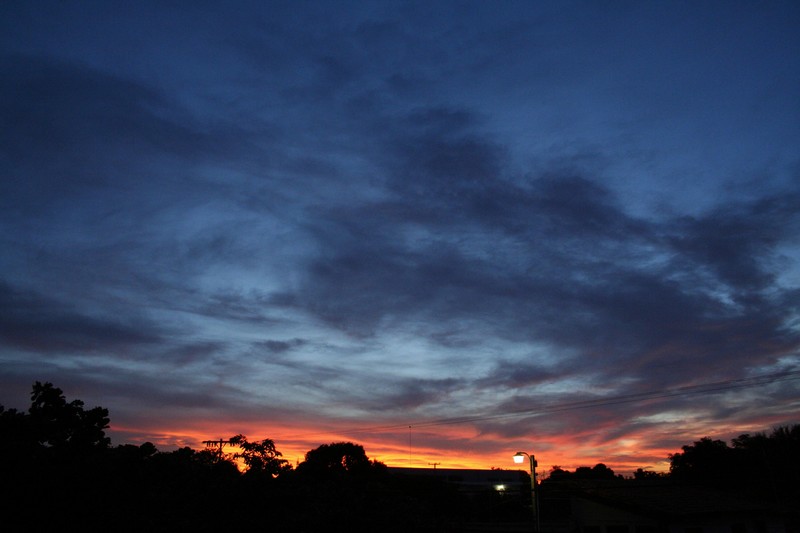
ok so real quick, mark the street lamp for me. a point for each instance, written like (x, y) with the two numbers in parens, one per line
(519, 458)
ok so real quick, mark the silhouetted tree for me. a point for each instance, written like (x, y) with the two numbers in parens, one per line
(770, 463)
(260, 458)
(52, 423)
(707, 461)
(598, 471)
(601, 471)
(16, 436)
(641, 473)
(57, 465)
(761, 465)
(59, 424)
(342, 489)
(339, 459)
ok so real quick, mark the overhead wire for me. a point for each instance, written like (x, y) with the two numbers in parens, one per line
(689, 390)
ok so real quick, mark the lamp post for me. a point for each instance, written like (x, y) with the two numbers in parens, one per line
(519, 458)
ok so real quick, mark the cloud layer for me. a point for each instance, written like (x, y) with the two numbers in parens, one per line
(435, 230)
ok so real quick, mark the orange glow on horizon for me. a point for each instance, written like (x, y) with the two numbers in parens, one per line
(458, 445)
(457, 448)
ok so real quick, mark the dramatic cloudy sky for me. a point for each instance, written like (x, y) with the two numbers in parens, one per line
(447, 231)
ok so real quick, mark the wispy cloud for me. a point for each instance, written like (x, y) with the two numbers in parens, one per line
(311, 222)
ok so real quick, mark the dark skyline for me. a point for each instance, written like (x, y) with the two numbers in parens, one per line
(306, 221)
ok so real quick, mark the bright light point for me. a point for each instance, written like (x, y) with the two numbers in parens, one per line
(519, 458)
(500, 488)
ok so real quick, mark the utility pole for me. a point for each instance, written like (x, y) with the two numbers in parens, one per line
(434, 465)
(219, 444)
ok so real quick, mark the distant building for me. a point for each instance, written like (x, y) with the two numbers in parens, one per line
(473, 480)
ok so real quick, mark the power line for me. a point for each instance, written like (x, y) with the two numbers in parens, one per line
(689, 390)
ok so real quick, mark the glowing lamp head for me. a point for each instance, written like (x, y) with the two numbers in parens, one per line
(519, 457)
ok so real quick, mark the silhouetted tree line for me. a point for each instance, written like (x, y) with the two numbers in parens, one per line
(760, 466)
(59, 470)
(599, 471)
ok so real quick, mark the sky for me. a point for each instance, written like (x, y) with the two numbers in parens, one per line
(446, 231)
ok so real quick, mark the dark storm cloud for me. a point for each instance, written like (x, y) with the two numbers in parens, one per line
(522, 375)
(68, 127)
(34, 322)
(644, 408)
(396, 396)
(83, 134)
(738, 242)
(277, 347)
(100, 172)
(194, 352)
(352, 386)
(551, 258)
(412, 393)
(573, 412)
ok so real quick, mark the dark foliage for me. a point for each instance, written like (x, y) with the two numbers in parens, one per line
(598, 471)
(641, 474)
(58, 469)
(761, 465)
(261, 459)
